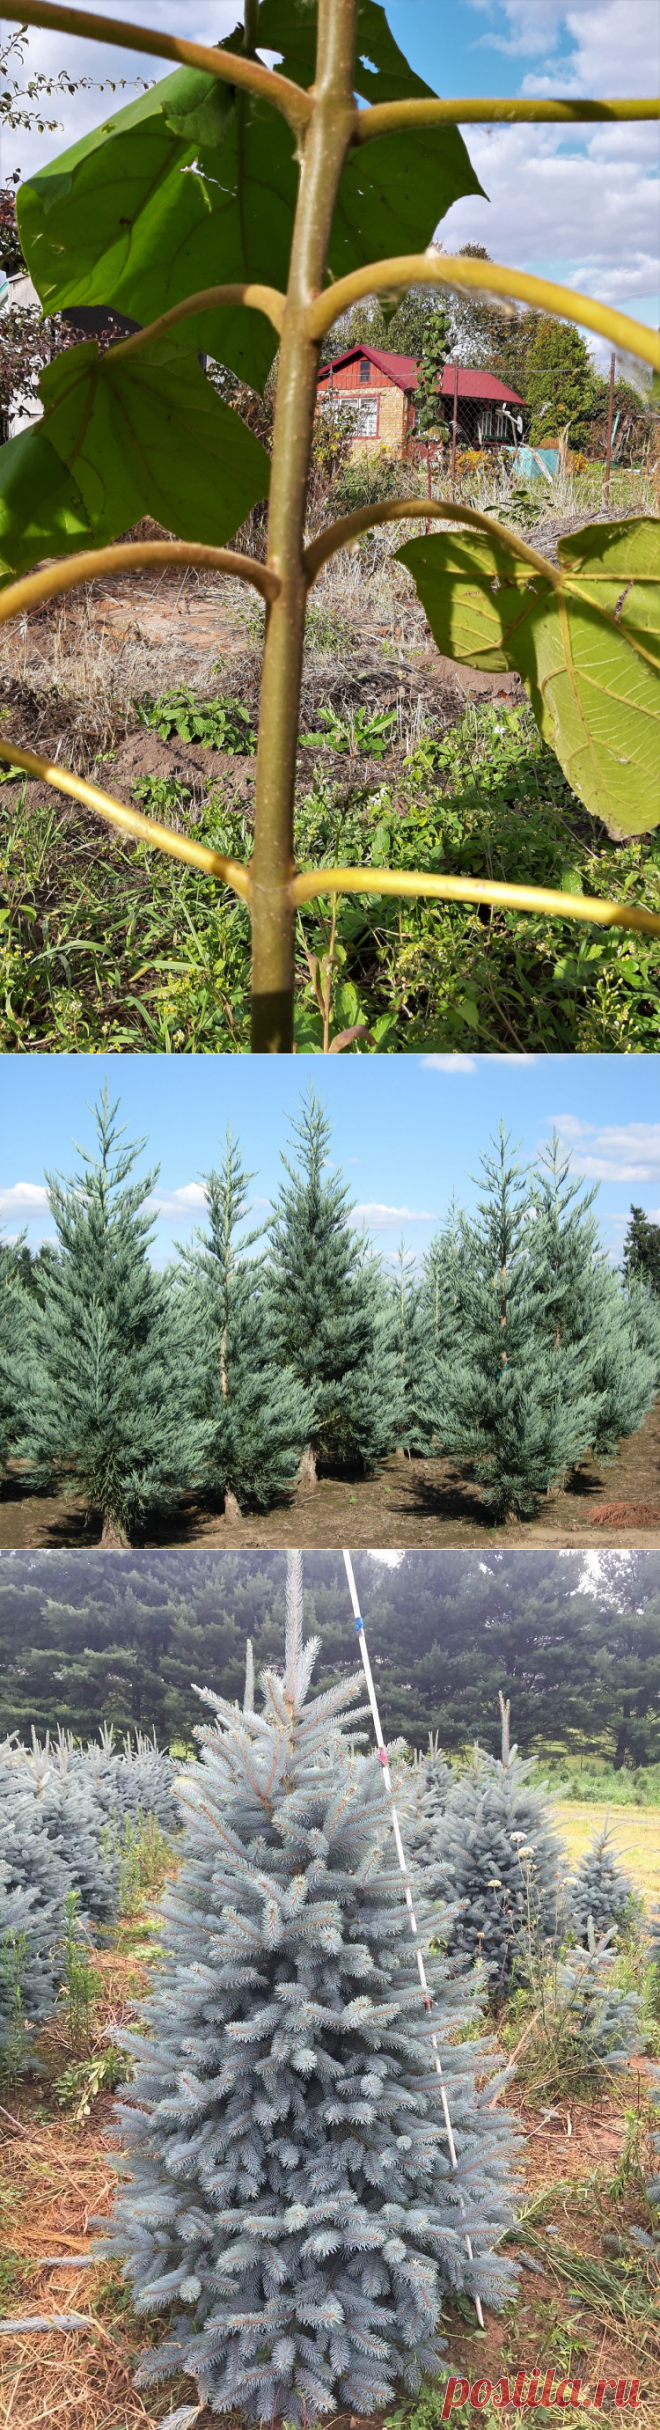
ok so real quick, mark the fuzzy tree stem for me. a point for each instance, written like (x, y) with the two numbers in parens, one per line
(273, 914)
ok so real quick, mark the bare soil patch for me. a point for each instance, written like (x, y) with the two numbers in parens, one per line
(411, 1502)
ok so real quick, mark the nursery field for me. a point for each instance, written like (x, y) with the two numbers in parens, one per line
(410, 1502)
(587, 2302)
(635, 1834)
(404, 758)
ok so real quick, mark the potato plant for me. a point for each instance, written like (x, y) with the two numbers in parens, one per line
(234, 210)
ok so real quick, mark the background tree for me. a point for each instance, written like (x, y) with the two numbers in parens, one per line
(495, 1845)
(12, 1327)
(106, 1396)
(331, 1315)
(282, 2193)
(257, 1416)
(560, 384)
(577, 1647)
(641, 1251)
(601, 1890)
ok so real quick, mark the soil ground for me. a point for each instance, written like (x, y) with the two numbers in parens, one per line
(411, 1502)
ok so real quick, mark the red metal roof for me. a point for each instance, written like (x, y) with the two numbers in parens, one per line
(401, 369)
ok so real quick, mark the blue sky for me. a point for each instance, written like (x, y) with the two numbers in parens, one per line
(406, 1131)
(581, 207)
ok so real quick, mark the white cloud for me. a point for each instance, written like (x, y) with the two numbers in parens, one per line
(208, 21)
(25, 1198)
(189, 1201)
(580, 206)
(627, 1152)
(449, 1063)
(380, 1216)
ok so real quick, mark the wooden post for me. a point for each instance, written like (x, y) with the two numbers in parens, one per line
(453, 434)
(608, 457)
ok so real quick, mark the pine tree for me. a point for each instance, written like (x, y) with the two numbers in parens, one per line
(331, 1317)
(601, 1891)
(109, 1411)
(430, 418)
(433, 1781)
(67, 1809)
(517, 1414)
(259, 1416)
(501, 1858)
(290, 2186)
(28, 1969)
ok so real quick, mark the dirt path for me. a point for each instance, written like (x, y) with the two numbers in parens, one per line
(412, 1502)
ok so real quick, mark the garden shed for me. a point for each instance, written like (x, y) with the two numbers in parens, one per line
(380, 389)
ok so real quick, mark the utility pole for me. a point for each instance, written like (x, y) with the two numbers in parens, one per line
(610, 411)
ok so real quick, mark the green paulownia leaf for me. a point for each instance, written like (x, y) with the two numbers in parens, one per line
(124, 437)
(194, 184)
(146, 434)
(588, 655)
(41, 510)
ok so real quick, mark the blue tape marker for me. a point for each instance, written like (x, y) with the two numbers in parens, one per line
(358, 1623)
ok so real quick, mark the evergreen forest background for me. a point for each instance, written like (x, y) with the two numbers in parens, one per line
(575, 1643)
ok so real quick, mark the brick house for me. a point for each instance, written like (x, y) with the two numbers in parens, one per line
(381, 388)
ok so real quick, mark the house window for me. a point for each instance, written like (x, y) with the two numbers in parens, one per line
(366, 419)
(365, 373)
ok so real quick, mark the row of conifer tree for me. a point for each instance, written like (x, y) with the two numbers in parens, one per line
(300, 2192)
(257, 1357)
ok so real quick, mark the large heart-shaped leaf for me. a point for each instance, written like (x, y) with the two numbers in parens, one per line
(195, 185)
(124, 437)
(145, 433)
(587, 648)
(41, 510)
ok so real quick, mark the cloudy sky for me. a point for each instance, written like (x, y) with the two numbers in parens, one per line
(580, 207)
(407, 1130)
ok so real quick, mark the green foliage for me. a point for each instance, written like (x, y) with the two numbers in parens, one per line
(145, 1856)
(641, 1251)
(430, 414)
(330, 1316)
(589, 654)
(365, 731)
(105, 1403)
(80, 2082)
(81, 1982)
(561, 386)
(143, 434)
(221, 725)
(257, 1414)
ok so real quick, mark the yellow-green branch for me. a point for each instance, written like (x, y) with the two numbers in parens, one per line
(435, 269)
(541, 899)
(308, 884)
(31, 589)
(232, 67)
(413, 510)
(258, 299)
(388, 116)
(131, 822)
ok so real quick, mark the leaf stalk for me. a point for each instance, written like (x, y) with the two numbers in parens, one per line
(434, 269)
(67, 574)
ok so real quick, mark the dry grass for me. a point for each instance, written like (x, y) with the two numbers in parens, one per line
(635, 1836)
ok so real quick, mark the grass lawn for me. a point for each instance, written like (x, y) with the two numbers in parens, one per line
(635, 1836)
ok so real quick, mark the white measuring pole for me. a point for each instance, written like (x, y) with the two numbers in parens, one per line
(396, 1827)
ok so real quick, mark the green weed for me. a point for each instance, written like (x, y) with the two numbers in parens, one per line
(222, 725)
(106, 946)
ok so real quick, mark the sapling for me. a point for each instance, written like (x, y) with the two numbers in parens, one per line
(235, 209)
(290, 2196)
(601, 1890)
(332, 1319)
(496, 1849)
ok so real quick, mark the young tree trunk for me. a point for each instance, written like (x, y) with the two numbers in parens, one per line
(113, 1536)
(233, 1512)
(307, 1471)
(273, 916)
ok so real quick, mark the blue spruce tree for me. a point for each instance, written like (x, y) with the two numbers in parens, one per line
(331, 1313)
(601, 1890)
(290, 2188)
(503, 1862)
(258, 1415)
(109, 1401)
(13, 1312)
